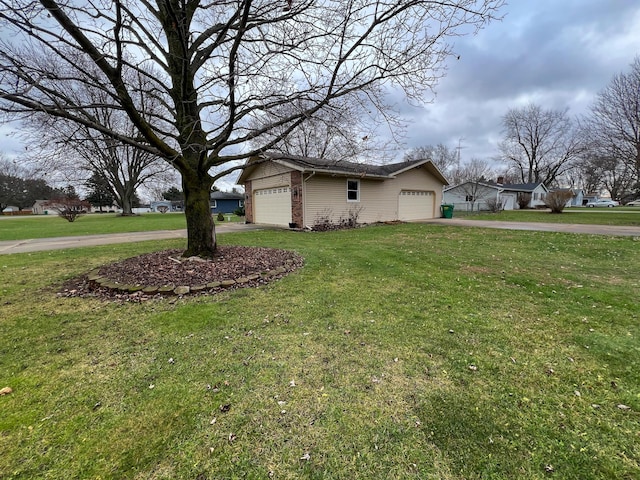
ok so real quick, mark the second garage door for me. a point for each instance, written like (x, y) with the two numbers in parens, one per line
(273, 206)
(415, 205)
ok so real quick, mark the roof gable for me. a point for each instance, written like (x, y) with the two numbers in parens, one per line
(523, 187)
(482, 184)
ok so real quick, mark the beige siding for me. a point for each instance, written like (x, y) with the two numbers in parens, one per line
(269, 175)
(326, 196)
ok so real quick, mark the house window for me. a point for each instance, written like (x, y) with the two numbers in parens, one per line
(469, 198)
(353, 190)
(240, 203)
(214, 204)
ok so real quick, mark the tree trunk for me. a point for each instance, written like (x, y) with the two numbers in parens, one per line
(201, 233)
(127, 210)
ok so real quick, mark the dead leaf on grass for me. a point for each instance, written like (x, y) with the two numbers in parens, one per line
(6, 391)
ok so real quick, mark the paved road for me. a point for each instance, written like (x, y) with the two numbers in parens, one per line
(542, 227)
(59, 243)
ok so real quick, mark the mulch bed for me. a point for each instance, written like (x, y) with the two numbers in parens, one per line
(168, 273)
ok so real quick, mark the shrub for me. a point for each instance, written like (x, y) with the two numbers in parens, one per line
(220, 217)
(239, 212)
(557, 200)
(324, 222)
(494, 205)
(68, 207)
(523, 200)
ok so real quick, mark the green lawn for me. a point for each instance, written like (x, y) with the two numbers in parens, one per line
(397, 352)
(602, 216)
(18, 228)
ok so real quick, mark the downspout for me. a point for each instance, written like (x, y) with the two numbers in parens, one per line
(304, 198)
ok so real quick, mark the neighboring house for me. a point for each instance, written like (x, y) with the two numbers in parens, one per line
(40, 207)
(590, 197)
(223, 202)
(171, 206)
(536, 190)
(299, 191)
(141, 209)
(476, 196)
(11, 210)
(577, 200)
(113, 208)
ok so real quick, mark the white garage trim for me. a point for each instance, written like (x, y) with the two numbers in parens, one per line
(415, 205)
(272, 206)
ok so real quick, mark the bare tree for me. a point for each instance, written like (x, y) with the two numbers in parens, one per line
(19, 187)
(216, 67)
(472, 177)
(613, 130)
(540, 145)
(340, 132)
(445, 158)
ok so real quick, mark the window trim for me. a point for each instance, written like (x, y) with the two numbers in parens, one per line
(357, 190)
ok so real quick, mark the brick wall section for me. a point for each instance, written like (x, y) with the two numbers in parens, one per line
(248, 202)
(297, 215)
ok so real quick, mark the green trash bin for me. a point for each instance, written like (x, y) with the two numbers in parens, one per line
(446, 210)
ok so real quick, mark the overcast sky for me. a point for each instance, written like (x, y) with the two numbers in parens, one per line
(554, 53)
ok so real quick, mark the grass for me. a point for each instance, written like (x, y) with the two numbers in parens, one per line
(27, 227)
(416, 351)
(619, 216)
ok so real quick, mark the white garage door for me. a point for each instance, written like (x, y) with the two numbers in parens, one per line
(415, 205)
(273, 206)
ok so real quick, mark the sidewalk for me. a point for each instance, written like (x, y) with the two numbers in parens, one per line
(60, 243)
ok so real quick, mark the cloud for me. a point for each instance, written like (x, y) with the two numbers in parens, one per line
(555, 54)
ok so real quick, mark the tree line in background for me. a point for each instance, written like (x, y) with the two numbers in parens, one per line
(597, 151)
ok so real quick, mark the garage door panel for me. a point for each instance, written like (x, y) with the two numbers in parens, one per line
(415, 205)
(273, 206)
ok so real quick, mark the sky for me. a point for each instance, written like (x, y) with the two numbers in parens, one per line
(554, 53)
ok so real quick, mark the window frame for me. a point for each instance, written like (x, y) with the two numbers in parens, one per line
(356, 190)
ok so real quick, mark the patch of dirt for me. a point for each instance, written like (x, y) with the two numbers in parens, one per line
(247, 266)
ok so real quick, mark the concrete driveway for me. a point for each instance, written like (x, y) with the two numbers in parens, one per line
(541, 227)
(60, 243)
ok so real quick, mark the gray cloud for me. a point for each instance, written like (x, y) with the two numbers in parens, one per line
(556, 54)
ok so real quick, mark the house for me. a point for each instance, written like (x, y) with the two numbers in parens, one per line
(226, 202)
(536, 190)
(477, 196)
(299, 191)
(578, 198)
(113, 208)
(40, 207)
(164, 206)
